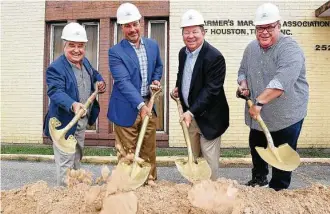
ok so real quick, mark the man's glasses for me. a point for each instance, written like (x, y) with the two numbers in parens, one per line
(187, 33)
(269, 28)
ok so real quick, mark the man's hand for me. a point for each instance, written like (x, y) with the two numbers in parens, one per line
(101, 87)
(77, 106)
(145, 111)
(156, 82)
(186, 117)
(243, 89)
(254, 111)
(175, 92)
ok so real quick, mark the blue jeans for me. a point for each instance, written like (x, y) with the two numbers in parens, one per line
(280, 179)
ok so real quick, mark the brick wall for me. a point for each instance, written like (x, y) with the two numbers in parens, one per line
(22, 48)
(316, 128)
(72, 10)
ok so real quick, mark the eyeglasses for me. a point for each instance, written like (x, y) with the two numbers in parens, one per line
(187, 33)
(269, 28)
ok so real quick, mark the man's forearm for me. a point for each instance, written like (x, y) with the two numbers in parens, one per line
(268, 95)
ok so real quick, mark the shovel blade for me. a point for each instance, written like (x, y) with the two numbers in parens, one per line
(287, 160)
(58, 137)
(137, 174)
(194, 171)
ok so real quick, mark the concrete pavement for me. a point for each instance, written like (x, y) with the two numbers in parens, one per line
(15, 174)
(161, 160)
(20, 169)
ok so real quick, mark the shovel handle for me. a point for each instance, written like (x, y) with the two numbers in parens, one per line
(262, 125)
(150, 104)
(81, 111)
(141, 136)
(191, 157)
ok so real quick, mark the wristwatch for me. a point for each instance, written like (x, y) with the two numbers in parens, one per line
(259, 103)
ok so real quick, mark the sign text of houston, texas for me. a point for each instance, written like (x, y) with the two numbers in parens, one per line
(251, 31)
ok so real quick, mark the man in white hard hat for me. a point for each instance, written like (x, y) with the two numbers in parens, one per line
(201, 75)
(70, 81)
(135, 64)
(273, 75)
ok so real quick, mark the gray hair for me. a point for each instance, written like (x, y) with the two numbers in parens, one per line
(66, 41)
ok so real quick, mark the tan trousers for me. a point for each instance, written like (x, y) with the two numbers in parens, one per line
(209, 149)
(126, 139)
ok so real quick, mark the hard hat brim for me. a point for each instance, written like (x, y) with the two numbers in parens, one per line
(265, 22)
(187, 25)
(133, 19)
(74, 39)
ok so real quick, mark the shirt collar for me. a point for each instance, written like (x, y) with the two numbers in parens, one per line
(195, 52)
(141, 42)
(73, 65)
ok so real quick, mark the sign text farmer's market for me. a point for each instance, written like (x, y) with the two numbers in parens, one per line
(238, 27)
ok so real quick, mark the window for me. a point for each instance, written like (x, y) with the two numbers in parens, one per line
(56, 44)
(92, 46)
(157, 30)
(92, 51)
(118, 33)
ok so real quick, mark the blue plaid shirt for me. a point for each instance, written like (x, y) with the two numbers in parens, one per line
(143, 61)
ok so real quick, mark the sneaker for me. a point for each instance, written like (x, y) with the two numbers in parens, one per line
(261, 182)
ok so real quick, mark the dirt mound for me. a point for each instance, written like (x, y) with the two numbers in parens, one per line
(222, 196)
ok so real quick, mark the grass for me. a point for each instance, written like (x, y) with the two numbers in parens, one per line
(26, 149)
(48, 150)
(314, 153)
(106, 151)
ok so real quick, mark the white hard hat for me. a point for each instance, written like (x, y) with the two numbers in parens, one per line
(127, 13)
(74, 32)
(191, 18)
(267, 13)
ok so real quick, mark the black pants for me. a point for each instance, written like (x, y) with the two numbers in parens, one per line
(280, 179)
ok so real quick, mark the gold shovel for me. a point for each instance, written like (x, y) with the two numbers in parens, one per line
(283, 157)
(195, 169)
(138, 171)
(58, 135)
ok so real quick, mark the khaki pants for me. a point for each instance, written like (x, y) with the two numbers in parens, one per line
(64, 161)
(209, 149)
(126, 140)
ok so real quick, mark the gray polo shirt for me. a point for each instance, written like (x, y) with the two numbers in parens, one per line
(83, 81)
(282, 66)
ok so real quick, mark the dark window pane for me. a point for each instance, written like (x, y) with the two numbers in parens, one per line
(57, 46)
(120, 34)
(92, 30)
(92, 44)
(158, 33)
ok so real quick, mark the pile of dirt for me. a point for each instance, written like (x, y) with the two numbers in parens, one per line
(222, 196)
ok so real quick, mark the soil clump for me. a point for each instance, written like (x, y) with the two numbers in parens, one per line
(105, 196)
